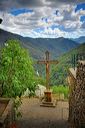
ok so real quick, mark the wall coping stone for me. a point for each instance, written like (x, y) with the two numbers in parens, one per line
(73, 72)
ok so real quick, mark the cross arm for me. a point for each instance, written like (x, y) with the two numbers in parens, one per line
(53, 61)
(41, 62)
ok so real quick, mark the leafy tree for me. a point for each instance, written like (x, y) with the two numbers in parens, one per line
(16, 70)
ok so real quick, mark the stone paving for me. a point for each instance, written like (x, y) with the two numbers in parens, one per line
(34, 116)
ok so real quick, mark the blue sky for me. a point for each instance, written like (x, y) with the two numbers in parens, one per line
(16, 12)
(80, 6)
(44, 18)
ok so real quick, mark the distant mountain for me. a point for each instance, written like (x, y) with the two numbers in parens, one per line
(80, 39)
(61, 70)
(37, 46)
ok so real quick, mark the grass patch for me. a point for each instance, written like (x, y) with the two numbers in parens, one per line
(61, 90)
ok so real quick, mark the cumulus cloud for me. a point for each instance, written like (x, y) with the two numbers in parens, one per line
(59, 2)
(7, 4)
(46, 13)
(56, 33)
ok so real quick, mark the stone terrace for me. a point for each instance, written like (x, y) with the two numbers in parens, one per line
(34, 116)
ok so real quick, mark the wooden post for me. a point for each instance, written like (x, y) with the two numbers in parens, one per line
(47, 62)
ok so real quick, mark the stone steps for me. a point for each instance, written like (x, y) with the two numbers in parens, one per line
(48, 104)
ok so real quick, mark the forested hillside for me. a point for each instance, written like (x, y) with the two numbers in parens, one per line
(60, 71)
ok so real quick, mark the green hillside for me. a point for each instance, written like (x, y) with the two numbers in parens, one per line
(60, 71)
(38, 46)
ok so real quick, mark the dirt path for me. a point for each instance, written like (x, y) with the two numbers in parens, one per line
(35, 116)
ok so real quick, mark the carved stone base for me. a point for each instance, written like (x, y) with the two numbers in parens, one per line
(47, 101)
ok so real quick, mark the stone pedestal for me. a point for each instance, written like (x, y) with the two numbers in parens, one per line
(48, 96)
(48, 101)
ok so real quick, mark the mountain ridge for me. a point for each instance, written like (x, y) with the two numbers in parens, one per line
(38, 46)
(80, 39)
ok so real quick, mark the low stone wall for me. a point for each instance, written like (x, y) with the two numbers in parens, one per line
(7, 116)
(72, 85)
(77, 96)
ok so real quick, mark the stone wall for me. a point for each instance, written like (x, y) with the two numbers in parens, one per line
(77, 96)
(7, 116)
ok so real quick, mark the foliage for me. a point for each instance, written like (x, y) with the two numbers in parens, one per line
(17, 103)
(61, 89)
(60, 72)
(40, 80)
(16, 70)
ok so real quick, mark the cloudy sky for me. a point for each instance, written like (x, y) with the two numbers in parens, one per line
(44, 18)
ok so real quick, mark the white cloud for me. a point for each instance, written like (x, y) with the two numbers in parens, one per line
(50, 33)
(26, 23)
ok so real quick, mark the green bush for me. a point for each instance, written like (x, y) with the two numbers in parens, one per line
(61, 89)
(16, 69)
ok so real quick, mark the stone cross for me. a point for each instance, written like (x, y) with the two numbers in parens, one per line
(47, 62)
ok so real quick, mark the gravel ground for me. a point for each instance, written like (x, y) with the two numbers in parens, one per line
(34, 116)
